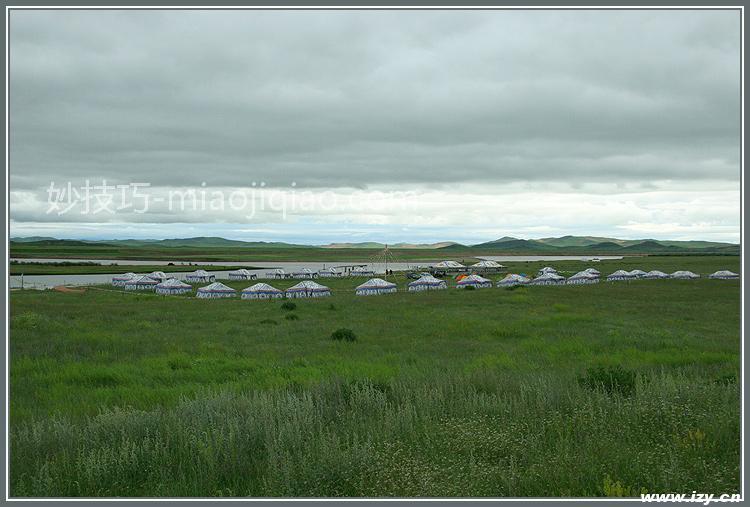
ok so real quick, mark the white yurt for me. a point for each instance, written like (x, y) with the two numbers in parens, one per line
(308, 289)
(592, 271)
(487, 265)
(637, 273)
(303, 273)
(582, 278)
(158, 276)
(474, 281)
(241, 274)
(276, 273)
(173, 286)
(328, 273)
(200, 275)
(427, 282)
(684, 275)
(619, 275)
(724, 275)
(261, 291)
(511, 280)
(144, 282)
(375, 286)
(548, 279)
(449, 265)
(546, 270)
(361, 271)
(216, 290)
(119, 280)
(655, 275)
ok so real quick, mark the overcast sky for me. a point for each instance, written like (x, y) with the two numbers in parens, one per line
(391, 125)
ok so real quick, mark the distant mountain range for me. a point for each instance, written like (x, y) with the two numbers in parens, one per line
(508, 245)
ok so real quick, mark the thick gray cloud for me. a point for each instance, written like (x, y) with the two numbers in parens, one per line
(360, 98)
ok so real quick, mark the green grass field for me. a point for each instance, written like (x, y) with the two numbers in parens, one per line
(489, 392)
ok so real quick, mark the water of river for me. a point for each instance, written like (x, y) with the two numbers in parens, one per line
(46, 281)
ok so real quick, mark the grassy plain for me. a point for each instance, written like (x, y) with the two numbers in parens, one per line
(445, 393)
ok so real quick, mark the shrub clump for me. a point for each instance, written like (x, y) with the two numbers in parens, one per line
(610, 379)
(344, 334)
(288, 306)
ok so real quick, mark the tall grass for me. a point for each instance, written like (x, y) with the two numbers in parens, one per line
(487, 434)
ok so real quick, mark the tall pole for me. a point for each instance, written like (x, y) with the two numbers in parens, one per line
(386, 260)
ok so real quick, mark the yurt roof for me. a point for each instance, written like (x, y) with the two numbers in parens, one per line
(592, 271)
(426, 279)
(685, 273)
(637, 272)
(159, 274)
(620, 272)
(241, 271)
(308, 285)
(657, 273)
(474, 278)
(173, 282)
(487, 264)
(126, 276)
(377, 283)
(261, 287)
(216, 287)
(327, 270)
(514, 276)
(200, 272)
(725, 272)
(449, 264)
(584, 274)
(549, 276)
(143, 279)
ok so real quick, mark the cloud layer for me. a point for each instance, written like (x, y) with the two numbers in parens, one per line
(402, 100)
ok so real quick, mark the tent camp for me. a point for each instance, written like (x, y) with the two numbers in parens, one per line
(173, 286)
(216, 290)
(276, 273)
(304, 273)
(361, 271)
(637, 273)
(375, 286)
(684, 275)
(582, 278)
(200, 275)
(619, 276)
(474, 281)
(427, 282)
(158, 276)
(328, 273)
(119, 280)
(308, 289)
(654, 275)
(511, 280)
(261, 291)
(546, 270)
(241, 274)
(144, 282)
(548, 279)
(724, 275)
